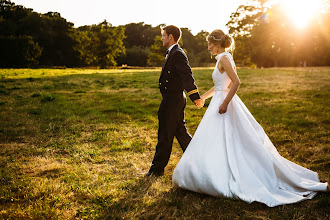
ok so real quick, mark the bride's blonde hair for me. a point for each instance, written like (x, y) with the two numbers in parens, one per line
(219, 38)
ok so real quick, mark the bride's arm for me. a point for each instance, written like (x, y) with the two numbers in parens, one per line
(235, 83)
(208, 94)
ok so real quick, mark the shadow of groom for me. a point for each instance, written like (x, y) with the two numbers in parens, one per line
(147, 198)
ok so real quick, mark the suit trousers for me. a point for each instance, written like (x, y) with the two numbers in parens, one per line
(171, 123)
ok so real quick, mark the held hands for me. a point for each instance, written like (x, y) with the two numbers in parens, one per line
(199, 103)
(223, 108)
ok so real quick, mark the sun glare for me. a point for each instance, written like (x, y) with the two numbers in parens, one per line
(301, 12)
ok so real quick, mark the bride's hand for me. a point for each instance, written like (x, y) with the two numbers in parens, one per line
(223, 108)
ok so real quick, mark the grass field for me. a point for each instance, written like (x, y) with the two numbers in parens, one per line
(73, 143)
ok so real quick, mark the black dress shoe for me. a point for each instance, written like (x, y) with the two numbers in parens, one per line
(154, 173)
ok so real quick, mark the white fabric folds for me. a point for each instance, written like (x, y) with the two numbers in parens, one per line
(231, 155)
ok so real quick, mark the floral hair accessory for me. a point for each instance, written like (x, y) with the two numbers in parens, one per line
(217, 38)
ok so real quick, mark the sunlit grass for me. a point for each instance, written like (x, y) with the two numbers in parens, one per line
(74, 142)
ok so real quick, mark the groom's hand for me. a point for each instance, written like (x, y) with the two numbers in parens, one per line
(199, 103)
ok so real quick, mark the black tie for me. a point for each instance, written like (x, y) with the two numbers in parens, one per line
(167, 52)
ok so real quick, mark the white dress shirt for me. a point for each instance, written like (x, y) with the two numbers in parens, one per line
(169, 49)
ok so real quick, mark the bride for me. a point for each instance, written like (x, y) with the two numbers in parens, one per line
(231, 155)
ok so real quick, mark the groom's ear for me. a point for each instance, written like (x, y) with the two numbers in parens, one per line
(170, 36)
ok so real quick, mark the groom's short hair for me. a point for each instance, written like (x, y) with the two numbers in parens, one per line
(175, 31)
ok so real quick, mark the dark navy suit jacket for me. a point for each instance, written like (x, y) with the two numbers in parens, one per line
(176, 74)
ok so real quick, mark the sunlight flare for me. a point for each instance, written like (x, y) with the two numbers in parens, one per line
(301, 12)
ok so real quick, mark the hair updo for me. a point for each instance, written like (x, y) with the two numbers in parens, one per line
(219, 38)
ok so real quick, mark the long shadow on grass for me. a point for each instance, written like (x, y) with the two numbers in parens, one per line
(142, 202)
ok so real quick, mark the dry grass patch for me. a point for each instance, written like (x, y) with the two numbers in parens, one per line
(74, 142)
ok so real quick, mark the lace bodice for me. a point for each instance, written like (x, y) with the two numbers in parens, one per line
(221, 80)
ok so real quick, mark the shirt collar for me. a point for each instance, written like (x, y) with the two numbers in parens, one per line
(169, 49)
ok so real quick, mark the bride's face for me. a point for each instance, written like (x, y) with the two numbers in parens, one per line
(212, 48)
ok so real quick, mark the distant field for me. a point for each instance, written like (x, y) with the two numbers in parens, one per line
(73, 143)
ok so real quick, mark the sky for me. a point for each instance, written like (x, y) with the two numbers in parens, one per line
(204, 15)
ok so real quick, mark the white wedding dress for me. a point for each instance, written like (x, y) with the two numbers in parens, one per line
(231, 155)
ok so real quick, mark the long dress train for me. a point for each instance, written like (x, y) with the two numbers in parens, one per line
(231, 155)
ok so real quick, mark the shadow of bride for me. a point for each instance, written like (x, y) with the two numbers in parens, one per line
(151, 198)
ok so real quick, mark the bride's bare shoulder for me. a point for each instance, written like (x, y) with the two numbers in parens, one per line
(222, 62)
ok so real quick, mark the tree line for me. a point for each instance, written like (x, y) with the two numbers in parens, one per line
(31, 39)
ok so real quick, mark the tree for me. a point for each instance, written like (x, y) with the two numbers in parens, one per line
(138, 40)
(84, 46)
(267, 37)
(246, 17)
(52, 33)
(140, 34)
(56, 36)
(240, 27)
(137, 56)
(200, 56)
(157, 52)
(104, 44)
(19, 51)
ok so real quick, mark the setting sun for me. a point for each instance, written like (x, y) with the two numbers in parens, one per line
(301, 12)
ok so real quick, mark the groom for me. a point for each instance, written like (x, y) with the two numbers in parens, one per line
(175, 77)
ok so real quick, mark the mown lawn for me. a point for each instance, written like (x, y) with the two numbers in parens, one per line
(74, 142)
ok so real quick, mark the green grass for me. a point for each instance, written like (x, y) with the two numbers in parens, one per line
(73, 143)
